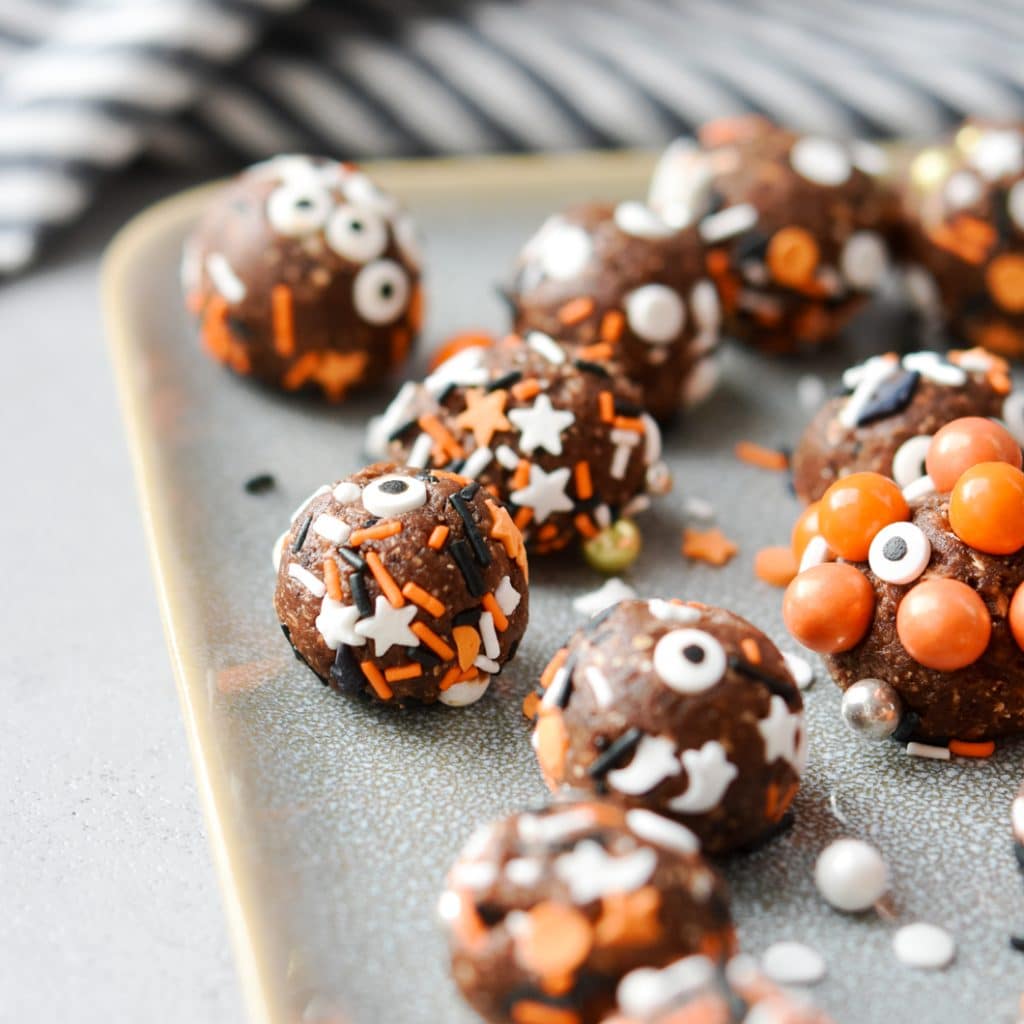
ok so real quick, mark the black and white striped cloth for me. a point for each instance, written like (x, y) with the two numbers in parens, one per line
(88, 87)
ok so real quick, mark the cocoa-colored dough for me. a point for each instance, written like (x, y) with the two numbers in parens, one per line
(843, 219)
(964, 210)
(982, 701)
(493, 552)
(607, 688)
(574, 447)
(305, 275)
(547, 911)
(830, 449)
(589, 304)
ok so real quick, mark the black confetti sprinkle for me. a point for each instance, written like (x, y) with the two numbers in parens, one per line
(751, 246)
(1017, 943)
(480, 549)
(588, 367)
(357, 585)
(470, 617)
(455, 466)
(626, 408)
(1018, 852)
(506, 380)
(446, 393)
(260, 484)
(426, 657)
(353, 559)
(907, 727)
(426, 476)
(614, 753)
(346, 674)
(400, 430)
(469, 492)
(300, 537)
(239, 328)
(782, 687)
(890, 397)
(460, 550)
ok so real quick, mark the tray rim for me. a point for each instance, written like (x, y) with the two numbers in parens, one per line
(518, 173)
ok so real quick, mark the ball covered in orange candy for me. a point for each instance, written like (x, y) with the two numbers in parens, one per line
(943, 624)
(986, 508)
(806, 527)
(855, 508)
(1016, 616)
(964, 443)
(829, 607)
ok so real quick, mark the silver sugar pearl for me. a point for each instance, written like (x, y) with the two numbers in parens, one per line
(872, 708)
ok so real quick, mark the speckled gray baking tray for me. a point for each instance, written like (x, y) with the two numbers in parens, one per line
(332, 822)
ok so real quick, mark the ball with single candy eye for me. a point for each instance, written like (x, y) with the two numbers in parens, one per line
(965, 443)
(986, 508)
(403, 585)
(829, 607)
(679, 708)
(306, 275)
(628, 290)
(855, 508)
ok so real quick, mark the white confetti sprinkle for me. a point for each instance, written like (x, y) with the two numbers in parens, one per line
(331, 528)
(929, 751)
(733, 220)
(476, 463)
(346, 492)
(610, 592)
(489, 635)
(810, 391)
(793, 963)
(419, 454)
(639, 220)
(661, 831)
(302, 575)
(823, 161)
(546, 346)
(924, 945)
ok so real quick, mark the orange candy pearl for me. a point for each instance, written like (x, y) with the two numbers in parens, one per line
(804, 529)
(943, 624)
(1016, 616)
(855, 508)
(829, 607)
(986, 508)
(964, 443)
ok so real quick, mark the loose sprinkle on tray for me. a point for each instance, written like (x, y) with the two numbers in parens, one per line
(260, 484)
(711, 546)
(755, 454)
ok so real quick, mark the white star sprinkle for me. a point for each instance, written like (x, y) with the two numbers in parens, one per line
(336, 624)
(545, 493)
(708, 773)
(389, 626)
(507, 596)
(541, 426)
(781, 734)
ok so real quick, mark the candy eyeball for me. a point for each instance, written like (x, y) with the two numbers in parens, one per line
(908, 464)
(298, 207)
(356, 234)
(689, 660)
(380, 291)
(394, 495)
(899, 553)
(655, 313)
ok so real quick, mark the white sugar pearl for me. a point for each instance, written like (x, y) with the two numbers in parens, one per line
(1013, 415)
(655, 313)
(820, 160)
(864, 260)
(963, 189)
(640, 220)
(564, 251)
(899, 553)
(1015, 205)
(908, 462)
(462, 694)
(346, 492)
(793, 963)
(924, 945)
(851, 875)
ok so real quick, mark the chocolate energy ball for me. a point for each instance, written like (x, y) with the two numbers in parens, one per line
(890, 407)
(623, 286)
(403, 584)
(304, 274)
(684, 709)
(564, 444)
(547, 911)
(964, 206)
(796, 226)
(939, 597)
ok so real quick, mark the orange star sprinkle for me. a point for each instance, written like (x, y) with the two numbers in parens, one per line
(711, 546)
(503, 529)
(335, 372)
(484, 414)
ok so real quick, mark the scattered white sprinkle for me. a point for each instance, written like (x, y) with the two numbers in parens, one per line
(633, 507)
(1015, 205)
(926, 750)
(331, 528)
(506, 457)
(524, 871)
(599, 686)
(698, 508)
(810, 391)
(823, 161)
(610, 592)
(963, 189)
(476, 463)
(924, 945)
(1017, 817)
(546, 346)
(731, 221)
(346, 492)
(419, 454)
(462, 694)
(307, 579)
(489, 635)
(548, 829)
(935, 368)
(669, 611)
(507, 596)
(224, 278)
(449, 906)
(473, 875)
(998, 153)
(638, 219)
(661, 831)
(555, 693)
(800, 669)
(864, 260)
(486, 664)
(793, 963)
(1013, 414)
(603, 516)
(648, 991)
(919, 488)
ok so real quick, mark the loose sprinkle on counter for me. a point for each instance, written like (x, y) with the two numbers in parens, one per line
(260, 484)
(926, 750)
(758, 455)
(964, 748)
(776, 565)
(711, 546)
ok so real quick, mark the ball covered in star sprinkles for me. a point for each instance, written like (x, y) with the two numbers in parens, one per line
(964, 208)
(305, 275)
(564, 444)
(403, 584)
(796, 226)
(679, 708)
(627, 290)
(928, 608)
(889, 410)
(547, 912)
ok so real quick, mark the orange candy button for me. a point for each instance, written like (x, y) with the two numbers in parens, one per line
(943, 624)
(986, 508)
(829, 607)
(964, 443)
(1016, 616)
(804, 529)
(855, 508)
